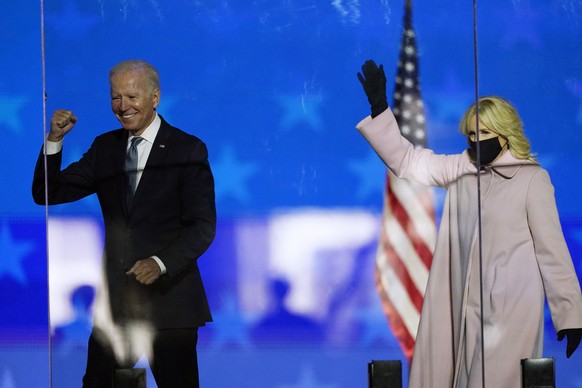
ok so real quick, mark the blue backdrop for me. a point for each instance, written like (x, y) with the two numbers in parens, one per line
(271, 87)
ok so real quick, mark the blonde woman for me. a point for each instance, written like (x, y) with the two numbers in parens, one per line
(524, 254)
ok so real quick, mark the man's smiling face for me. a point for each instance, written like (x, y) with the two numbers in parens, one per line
(133, 100)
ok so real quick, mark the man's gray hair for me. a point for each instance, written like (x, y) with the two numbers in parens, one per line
(148, 70)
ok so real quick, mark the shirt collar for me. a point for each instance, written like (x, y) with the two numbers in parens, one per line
(151, 131)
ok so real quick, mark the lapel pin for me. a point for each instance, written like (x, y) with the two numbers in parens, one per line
(162, 146)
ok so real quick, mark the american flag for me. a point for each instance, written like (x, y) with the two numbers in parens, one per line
(408, 232)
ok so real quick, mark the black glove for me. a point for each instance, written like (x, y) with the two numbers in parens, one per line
(374, 83)
(574, 337)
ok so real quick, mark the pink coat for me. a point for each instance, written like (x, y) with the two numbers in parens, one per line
(525, 258)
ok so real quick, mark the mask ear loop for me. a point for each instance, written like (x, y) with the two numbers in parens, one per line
(478, 159)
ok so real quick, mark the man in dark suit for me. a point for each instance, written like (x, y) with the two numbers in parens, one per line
(157, 199)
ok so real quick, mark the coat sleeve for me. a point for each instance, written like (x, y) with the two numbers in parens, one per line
(68, 185)
(419, 165)
(556, 268)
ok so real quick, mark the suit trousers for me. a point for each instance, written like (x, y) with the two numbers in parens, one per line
(173, 359)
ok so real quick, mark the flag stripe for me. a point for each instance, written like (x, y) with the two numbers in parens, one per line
(410, 226)
(398, 296)
(398, 266)
(404, 248)
(395, 321)
(417, 202)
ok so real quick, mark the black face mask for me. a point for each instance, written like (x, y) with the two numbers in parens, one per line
(490, 149)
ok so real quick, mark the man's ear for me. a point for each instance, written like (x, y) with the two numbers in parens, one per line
(156, 97)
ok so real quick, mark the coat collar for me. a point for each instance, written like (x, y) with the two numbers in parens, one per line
(507, 165)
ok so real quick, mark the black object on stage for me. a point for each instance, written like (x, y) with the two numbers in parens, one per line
(385, 374)
(538, 373)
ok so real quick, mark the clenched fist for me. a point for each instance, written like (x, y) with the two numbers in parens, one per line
(61, 123)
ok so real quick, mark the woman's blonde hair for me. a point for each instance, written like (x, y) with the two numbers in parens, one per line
(501, 117)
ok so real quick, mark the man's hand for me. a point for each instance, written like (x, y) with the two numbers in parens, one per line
(374, 82)
(145, 271)
(574, 337)
(61, 123)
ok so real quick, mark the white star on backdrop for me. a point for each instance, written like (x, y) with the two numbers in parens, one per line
(13, 253)
(371, 172)
(229, 327)
(10, 107)
(452, 100)
(231, 175)
(301, 110)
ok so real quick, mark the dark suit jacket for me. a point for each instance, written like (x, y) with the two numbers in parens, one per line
(172, 215)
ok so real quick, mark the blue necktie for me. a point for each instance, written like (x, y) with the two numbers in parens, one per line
(131, 167)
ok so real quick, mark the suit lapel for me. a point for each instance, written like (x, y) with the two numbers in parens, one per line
(155, 159)
(120, 153)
